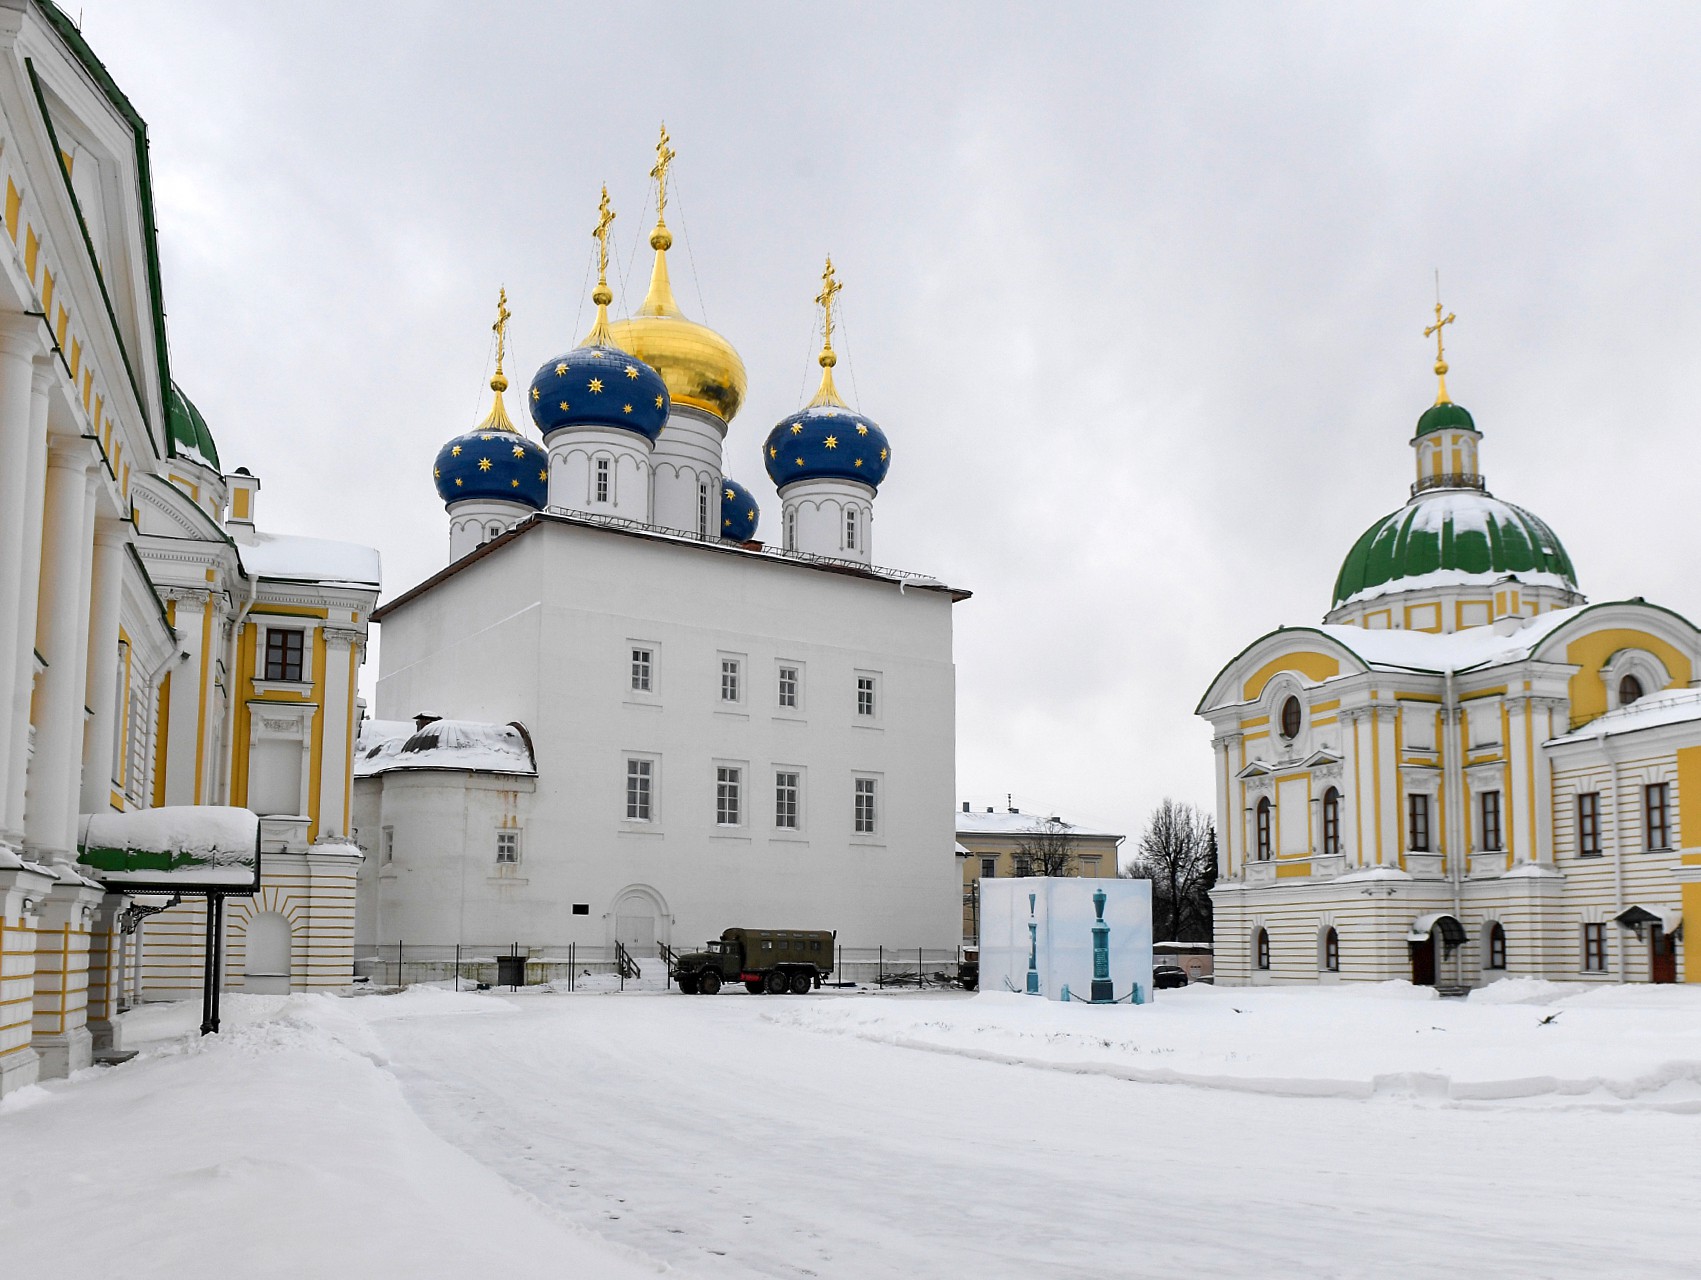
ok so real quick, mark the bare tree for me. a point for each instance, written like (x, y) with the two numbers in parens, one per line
(1178, 854)
(1048, 849)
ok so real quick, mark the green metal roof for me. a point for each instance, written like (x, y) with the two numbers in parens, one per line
(1460, 530)
(1446, 414)
(189, 431)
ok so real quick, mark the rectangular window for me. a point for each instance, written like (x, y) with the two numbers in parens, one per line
(850, 528)
(283, 654)
(1589, 824)
(1656, 814)
(791, 528)
(788, 687)
(643, 670)
(1489, 803)
(729, 680)
(989, 868)
(640, 780)
(1594, 948)
(703, 507)
(785, 800)
(386, 844)
(602, 480)
(728, 803)
(865, 807)
(507, 846)
(865, 696)
(1417, 825)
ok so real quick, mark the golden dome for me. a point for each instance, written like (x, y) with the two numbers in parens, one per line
(699, 366)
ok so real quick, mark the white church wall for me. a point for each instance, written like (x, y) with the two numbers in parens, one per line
(571, 600)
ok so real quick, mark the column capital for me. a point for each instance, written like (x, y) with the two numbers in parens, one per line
(70, 453)
(110, 532)
(22, 334)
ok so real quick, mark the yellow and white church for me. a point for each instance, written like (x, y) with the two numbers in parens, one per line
(1466, 771)
(170, 672)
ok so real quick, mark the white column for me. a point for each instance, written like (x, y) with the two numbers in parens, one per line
(177, 754)
(62, 636)
(19, 343)
(17, 729)
(336, 707)
(80, 655)
(106, 595)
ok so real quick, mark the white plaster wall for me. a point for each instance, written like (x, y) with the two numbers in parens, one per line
(541, 632)
(687, 453)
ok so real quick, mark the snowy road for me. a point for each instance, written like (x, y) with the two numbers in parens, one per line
(706, 1134)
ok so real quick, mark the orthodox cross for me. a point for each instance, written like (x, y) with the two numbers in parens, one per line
(664, 157)
(829, 289)
(605, 216)
(1434, 331)
(500, 328)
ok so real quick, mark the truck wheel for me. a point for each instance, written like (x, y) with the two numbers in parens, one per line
(800, 984)
(775, 983)
(688, 983)
(709, 983)
(754, 988)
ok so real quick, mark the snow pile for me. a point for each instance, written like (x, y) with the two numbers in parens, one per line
(1451, 651)
(1673, 706)
(386, 745)
(282, 1147)
(199, 844)
(1386, 1039)
(285, 556)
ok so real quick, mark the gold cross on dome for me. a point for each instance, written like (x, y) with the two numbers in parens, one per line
(1434, 331)
(664, 158)
(830, 287)
(500, 328)
(605, 217)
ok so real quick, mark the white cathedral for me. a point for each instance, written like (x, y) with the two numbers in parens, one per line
(617, 715)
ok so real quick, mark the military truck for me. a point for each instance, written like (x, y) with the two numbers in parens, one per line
(766, 961)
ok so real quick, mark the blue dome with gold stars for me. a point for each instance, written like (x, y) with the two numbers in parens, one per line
(598, 385)
(826, 440)
(493, 464)
(739, 512)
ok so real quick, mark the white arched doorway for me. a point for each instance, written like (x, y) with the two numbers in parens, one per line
(640, 919)
(267, 959)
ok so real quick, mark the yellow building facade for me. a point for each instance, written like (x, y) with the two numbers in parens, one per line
(997, 843)
(1466, 771)
(157, 648)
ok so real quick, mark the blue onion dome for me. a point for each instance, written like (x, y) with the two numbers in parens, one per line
(739, 512)
(598, 384)
(827, 439)
(493, 460)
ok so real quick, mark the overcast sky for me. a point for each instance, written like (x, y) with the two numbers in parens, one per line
(1137, 291)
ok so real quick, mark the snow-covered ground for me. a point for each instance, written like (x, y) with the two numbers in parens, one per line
(1531, 1130)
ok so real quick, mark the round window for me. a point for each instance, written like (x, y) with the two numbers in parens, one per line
(1290, 718)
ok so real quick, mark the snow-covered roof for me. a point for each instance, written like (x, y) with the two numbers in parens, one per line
(1673, 706)
(385, 746)
(1013, 822)
(280, 555)
(1437, 578)
(203, 844)
(1451, 651)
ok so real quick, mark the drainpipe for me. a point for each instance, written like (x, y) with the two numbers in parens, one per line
(1617, 855)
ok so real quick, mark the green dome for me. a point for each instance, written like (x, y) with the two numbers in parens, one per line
(1461, 533)
(1443, 415)
(189, 434)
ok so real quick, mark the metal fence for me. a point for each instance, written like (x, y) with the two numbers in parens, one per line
(569, 965)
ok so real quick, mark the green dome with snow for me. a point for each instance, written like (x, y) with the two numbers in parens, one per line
(1453, 537)
(190, 436)
(1445, 414)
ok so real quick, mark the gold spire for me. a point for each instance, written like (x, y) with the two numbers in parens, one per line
(830, 286)
(1434, 331)
(599, 336)
(497, 419)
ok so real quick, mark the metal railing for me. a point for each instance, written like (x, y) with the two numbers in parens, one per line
(777, 553)
(1450, 480)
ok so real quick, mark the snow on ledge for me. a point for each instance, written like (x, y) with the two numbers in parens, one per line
(285, 556)
(199, 844)
(385, 746)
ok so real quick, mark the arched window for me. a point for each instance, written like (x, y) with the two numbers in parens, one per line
(1496, 946)
(1263, 822)
(1261, 948)
(1629, 689)
(1331, 822)
(1290, 719)
(1332, 951)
